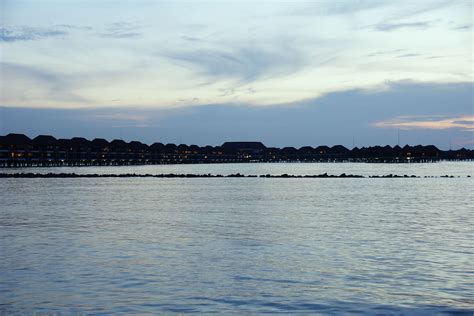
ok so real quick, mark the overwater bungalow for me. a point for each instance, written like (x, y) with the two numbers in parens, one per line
(46, 150)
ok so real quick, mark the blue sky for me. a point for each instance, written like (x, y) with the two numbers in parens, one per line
(286, 73)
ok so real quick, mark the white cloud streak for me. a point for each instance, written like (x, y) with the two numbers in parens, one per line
(428, 122)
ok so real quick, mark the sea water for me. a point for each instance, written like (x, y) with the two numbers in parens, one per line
(239, 245)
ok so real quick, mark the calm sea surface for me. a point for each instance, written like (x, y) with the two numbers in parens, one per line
(239, 245)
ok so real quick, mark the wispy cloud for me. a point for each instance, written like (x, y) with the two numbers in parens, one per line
(23, 33)
(385, 52)
(74, 27)
(389, 27)
(429, 122)
(435, 57)
(29, 33)
(117, 117)
(417, 8)
(122, 29)
(339, 7)
(245, 64)
(465, 27)
(336, 7)
(122, 117)
(30, 79)
(408, 55)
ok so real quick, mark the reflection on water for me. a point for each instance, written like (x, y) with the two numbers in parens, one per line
(240, 245)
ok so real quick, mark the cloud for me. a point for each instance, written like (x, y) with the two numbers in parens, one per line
(28, 80)
(389, 27)
(339, 7)
(191, 38)
(331, 119)
(403, 12)
(429, 122)
(24, 33)
(466, 27)
(245, 64)
(416, 8)
(336, 7)
(408, 55)
(122, 29)
(385, 52)
(74, 27)
(122, 116)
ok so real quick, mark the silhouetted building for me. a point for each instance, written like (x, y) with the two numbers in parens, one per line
(249, 147)
(45, 150)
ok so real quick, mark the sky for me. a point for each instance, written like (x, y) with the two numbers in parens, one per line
(287, 73)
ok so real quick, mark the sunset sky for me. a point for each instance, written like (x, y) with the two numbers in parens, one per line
(288, 73)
